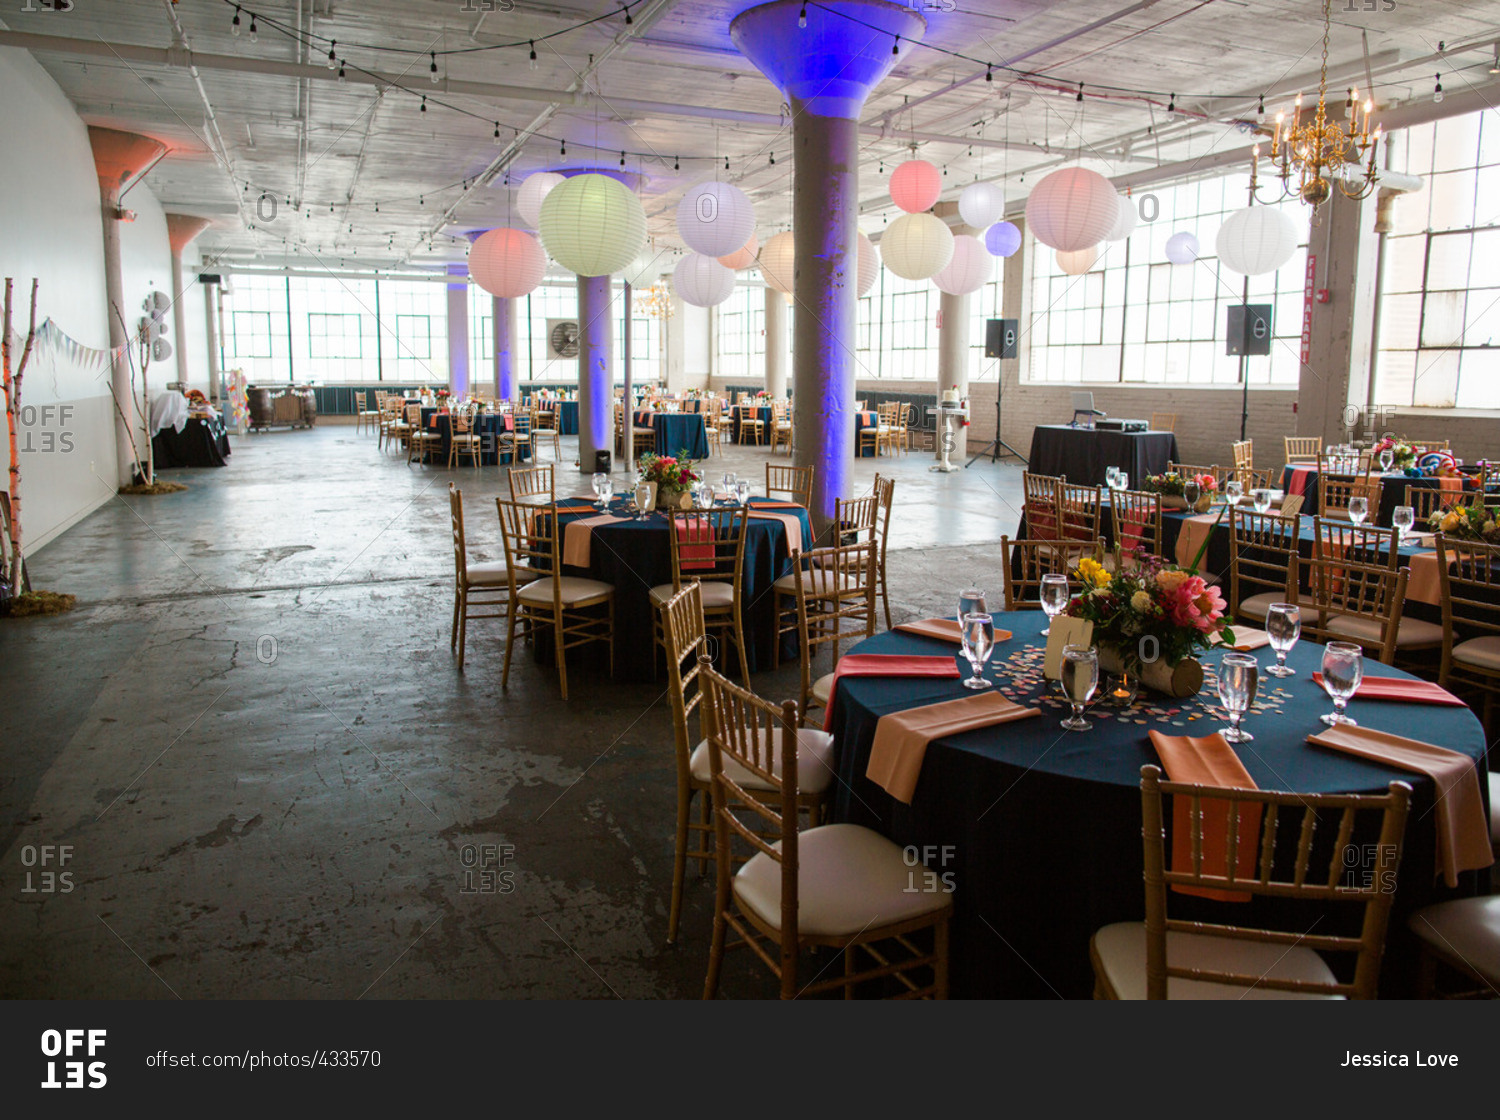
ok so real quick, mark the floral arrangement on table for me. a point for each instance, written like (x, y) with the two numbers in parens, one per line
(442, 395)
(1173, 485)
(1150, 618)
(1473, 522)
(1403, 453)
(673, 475)
(762, 393)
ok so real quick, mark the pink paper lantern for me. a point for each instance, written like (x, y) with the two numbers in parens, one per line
(742, 257)
(507, 262)
(1072, 209)
(915, 186)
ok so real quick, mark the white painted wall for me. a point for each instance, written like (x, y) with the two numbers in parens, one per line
(50, 215)
(146, 267)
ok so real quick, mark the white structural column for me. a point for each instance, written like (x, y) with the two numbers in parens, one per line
(458, 330)
(507, 385)
(953, 364)
(775, 342)
(595, 370)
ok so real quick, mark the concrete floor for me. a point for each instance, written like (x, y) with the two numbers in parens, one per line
(272, 782)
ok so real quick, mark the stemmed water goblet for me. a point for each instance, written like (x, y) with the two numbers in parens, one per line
(642, 499)
(1191, 492)
(1387, 458)
(1239, 674)
(1261, 497)
(971, 601)
(742, 491)
(1233, 492)
(1343, 669)
(729, 480)
(1283, 627)
(1080, 680)
(1359, 509)
(1402, 519)
(600, 483)
(978, 635)
(1055, 597)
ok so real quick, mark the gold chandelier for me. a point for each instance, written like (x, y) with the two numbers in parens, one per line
(655, 301)
(1320, 149)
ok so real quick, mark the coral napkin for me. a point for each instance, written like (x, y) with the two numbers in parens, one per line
(1395, 688)
(697, 549)
(945, 629)
(792, 522)
(901, 738)
(886, 665)
(1209, 761)
(1463, 828)
(578, 537)
(1246, 638)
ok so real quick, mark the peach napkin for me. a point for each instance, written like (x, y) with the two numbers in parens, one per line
(1463, 829)
(945, 629)
(578, 537)
(793, 525)
(1246, 638)
(886, 665)
(1408, 690)
(1209, 761)
(901, 738)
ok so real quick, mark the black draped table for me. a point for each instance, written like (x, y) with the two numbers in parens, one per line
(1041, 827)
(1083, 454)
(678, 434)
(1304, 480)
(201, 443)
(635, 556)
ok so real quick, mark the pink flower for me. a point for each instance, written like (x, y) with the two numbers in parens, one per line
(1194, 603)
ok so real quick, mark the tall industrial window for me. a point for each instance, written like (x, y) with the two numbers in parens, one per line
(333, 336)
(249, 334)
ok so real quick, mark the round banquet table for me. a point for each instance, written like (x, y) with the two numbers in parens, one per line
(491, 427)
(1041, 827)
(567, 418)
(635, 556)
(678, 434)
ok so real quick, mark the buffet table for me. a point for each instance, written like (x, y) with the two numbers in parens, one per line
(203, 442)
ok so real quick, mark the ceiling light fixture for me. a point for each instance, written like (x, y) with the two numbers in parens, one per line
(254, 31)
(333, 59)
(1320, 149)
(1437, 89)
(802, 17)
(433, 68)
(533, 54)
(234, 24)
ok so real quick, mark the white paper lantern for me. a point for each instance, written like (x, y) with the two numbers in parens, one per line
(868, 267)
(1256, 240)
(1182, 248)
(981, 205)
(744, 256)
(507, 262)
(1125, 223)
(592, 225)
(702, 281)
(1078, 261)
(532, 194)
(778, 262)
(1072, 209)
(915, 186)
(715, 219)
(917, 246)
(969, 270)
(642, 272)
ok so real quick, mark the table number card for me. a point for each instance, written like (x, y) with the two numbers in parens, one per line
(1064, 631)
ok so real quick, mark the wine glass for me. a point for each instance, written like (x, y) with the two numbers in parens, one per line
(600, 481)
(1239, 674)
(1387, 458)
(1055, 597)
(1111, 476)
(1283, 627)
(1343, 669)
(1233, 492)
(1191, 492)
(642, 499)
(1122, 480)
(702, 494)
(971, 601)
(1402, 518)
(1262, 499)
(742, 491)
(729, 480)
(1080, 680)
(1359, 509)
(978, 635)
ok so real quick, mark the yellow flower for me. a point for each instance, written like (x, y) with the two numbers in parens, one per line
(1094, 573)
(1140, 602)
(1171, 579)
(1451, 520)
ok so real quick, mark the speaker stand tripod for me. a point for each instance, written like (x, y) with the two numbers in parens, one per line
(997, 446)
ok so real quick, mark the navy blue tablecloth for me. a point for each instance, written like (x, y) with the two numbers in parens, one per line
(567, 417)
(763, 414)
(635, 556)
(680, 434)
(1392, 490)
(1083, 455)
(490, 426)
(201, 443)
(1041, 827)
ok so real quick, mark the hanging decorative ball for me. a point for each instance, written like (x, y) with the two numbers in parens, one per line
(1256, 240)
(915, 186)
(715, 219)
(1182, 248)
(507, 262)
(778, 262)
(968, 271)
(917, 246)
(981, 205)
(1003, 238)
(1078, 261)
(1072, 209)
(702, 281)
(1125, 223)
(868, 267)
(529, 198)
(743, 257)
(644, 270)
(592, 225)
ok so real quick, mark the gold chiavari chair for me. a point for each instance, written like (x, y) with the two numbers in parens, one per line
(480, 590)
(1244, 454)
(1263, 562)
(1164, 421)
(1080, 511)
(799, 888)
(713, 423)
(421, 441)
(531, 484)
(888, 425)
(1469, 582)
(1040, 506)
(371, 411)
(1427, 500)
(1248, 953)
(405, 419)
(1306, 450)
(518, 441)
(1347, 601)
(1137, 523)
(544, 430)
(831, 592)
(708, 548)
(1335, 492)
(1025, 562)
(781, 427)
(565, 606)
(463, 440)
(752, 427)
(885, 490)
(792, 482)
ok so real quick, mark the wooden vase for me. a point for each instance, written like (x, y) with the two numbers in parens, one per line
(1178, 681)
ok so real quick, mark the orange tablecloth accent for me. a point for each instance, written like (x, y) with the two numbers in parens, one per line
(901, 738)
(1425, 582)
(1209, 761)
(945, 629)
(1463, 829)
(578, 537)
(1195, 530)
(792, 522)
(887, 665)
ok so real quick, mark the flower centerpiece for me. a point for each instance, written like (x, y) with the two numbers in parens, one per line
(1173, 489)
(673, 476)
(1403, 454)
(1150, 618)
(1473, 522)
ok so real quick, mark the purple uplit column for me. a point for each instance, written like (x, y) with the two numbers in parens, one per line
(825, 71)
(506, 384)
(595, 372)
(458, 331)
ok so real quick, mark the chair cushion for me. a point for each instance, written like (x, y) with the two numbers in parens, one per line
(1119, 952)
(814, 763)
(574, 590)
(490, 573)
(849, 879)
(1483, 652)
(716, 593)
(1465, 928)
(822, 689)
(1257, 606)
(818, 582)
(1409, 632)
